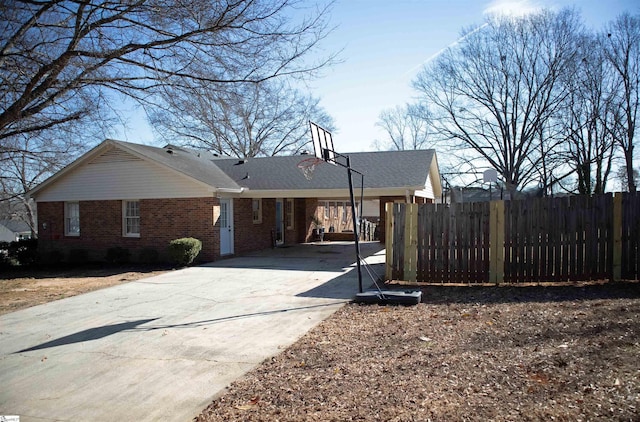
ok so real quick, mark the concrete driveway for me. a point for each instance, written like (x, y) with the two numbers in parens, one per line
(160, 348)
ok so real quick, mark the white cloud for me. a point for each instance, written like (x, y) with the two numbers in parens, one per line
(512, 7)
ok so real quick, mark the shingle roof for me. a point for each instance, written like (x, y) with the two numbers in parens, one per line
(15, 226)
(382, 170)
(388, 169)
(188, 162)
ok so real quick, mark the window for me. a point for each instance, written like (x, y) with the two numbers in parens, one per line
(257, 211)
(131, 218)
(326, 210)
(345, 212)
(72, 219)
(289, 214)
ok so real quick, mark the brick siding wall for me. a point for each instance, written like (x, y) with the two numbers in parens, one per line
(161, 220)
(250, 236)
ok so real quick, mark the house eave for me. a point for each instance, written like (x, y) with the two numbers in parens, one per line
(326, 193)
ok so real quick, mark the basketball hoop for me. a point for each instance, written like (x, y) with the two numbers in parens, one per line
(308, 166)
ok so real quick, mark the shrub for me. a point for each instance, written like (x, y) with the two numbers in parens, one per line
(25, 251)
(184, 251)
(21, 252)
(5, 260)
(78, 256)
(148, 256)
(117, 255)
(53, 257)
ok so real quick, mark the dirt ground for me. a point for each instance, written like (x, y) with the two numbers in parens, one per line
(464, 354)
(21, 289)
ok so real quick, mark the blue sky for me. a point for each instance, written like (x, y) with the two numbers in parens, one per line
(385, 42)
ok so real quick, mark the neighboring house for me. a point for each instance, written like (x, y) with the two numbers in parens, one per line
(137, 197)
(478, 194)
(12, 230)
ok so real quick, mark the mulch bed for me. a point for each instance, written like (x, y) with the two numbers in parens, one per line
(559, 353)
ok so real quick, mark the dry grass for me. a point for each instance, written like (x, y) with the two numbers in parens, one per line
(20, 288)
(465, 353)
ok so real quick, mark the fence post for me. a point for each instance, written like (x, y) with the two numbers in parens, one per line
(411, 242)
(496, 242)
(388, 207)
(617, 237)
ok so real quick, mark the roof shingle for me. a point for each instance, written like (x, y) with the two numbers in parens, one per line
(388, 169)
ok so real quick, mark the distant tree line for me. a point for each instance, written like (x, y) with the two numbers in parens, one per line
(540, 98)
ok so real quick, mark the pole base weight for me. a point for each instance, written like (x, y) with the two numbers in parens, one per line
(390, 297)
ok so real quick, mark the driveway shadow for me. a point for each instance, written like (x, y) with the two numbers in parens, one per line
(346, 286)
(90, 334)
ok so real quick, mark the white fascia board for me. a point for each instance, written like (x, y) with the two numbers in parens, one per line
(423, 194)
(327, 193)
(434, 173)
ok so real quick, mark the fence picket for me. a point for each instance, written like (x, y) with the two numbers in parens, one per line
(537, 240)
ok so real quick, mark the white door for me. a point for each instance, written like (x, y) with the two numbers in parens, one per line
(279, 222)
(226, 226)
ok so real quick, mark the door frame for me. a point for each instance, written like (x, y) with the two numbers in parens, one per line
(280, 223)
(230, 247)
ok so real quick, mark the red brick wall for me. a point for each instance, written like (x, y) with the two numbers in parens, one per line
(250, 236)
(161, 220)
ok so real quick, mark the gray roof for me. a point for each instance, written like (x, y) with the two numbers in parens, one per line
(382, 170)
(388, 169)
(189, 162)
(16, 226)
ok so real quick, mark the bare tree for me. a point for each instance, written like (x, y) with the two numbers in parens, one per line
(587, 120)
(22, 172)
(261, 119)
(496, 92)
(623, 52)
(60, 59)
(64, 63)
(406, 127)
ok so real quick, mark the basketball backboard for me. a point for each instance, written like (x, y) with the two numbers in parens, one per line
(322, 143)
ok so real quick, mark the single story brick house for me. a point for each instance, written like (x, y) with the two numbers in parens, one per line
(140, 197)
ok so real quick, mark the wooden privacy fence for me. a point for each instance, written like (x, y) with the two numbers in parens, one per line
(535, 240)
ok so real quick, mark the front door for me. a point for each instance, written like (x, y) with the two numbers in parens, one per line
(279, 222)
(226, 226)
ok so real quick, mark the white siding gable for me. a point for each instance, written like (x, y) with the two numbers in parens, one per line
(428, 188)
(116, 174)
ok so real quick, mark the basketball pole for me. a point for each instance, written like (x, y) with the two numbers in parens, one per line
(356, 231)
